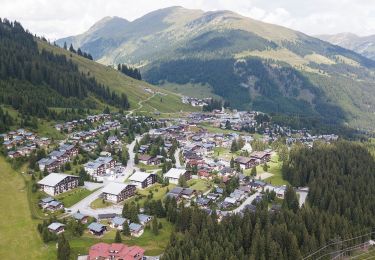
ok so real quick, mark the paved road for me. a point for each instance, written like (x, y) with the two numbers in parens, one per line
(84, 205)
(177, 157)
(248, 201)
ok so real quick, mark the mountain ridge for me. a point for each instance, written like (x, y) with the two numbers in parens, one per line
(364, 45)
(260, 66)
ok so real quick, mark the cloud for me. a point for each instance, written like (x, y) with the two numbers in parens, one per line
(55, 19)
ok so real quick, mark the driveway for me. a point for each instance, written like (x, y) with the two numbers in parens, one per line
(248, 201)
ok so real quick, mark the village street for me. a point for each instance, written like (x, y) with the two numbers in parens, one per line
(84, 205)
(248, 201)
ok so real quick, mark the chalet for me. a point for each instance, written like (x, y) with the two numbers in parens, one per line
(179, 192)
(245, 162)
(203, 202)
(14, 154)
(94, 168)
(174, 175)
(142, 179)
(144, 219)
(56, 183)
(136, 230)
(156, 160)
(237, 194)
(56, 228)
(61, 156)
(117, 192)
(107, 216)
(118, 222)
(97, 229)
(80, 217)
(69, 149)
(145, 159)
(54, 205)
(115, 251)
(261, 157)
(108, 162)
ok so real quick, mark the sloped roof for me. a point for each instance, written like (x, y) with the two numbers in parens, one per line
(114, 188)
(53, 179)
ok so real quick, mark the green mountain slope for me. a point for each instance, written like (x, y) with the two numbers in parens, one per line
(39, 80)
(254, 65)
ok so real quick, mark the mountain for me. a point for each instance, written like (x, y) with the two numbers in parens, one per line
(251, 64)
(364, 45)
(40, 80)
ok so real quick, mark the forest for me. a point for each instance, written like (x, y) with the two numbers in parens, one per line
(32, 80)
(340, 206)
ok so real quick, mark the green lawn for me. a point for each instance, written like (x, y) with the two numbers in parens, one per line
(100, 203)
(19, 238)
(157, 190)
(154, 245)
(200, 185)
(148, 167)
(275, 169)
(72, 197)
(192, 90)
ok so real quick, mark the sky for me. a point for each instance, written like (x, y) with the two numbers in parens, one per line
(56, 19)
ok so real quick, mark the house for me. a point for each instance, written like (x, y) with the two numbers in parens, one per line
(145, 159)
(94, 168)
(174, 175)
(54, 205)
(56, 228)
(97, 229)
(261, 157)
(45, 201)
(245, 162)
(107, 216)
(136, 230)
(142, 179)
(48, 164)
(237, 194)
(117, 192)
(69, 149)
(179, 192)
(80, 217)
(118, 222)
(108, 162)
(56, 183)
(115, 251)
(203, 202)
(230, 200)
(144, 219)
(14, 154)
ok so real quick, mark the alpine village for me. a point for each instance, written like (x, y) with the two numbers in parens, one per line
(185, 135)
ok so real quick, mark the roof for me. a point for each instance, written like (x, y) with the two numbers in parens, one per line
(174, 173)
(139, 176)
(135, 227)
(97, 227)
(55, 226)
(47, 199)
(114, 188)
(117, 250)
(242, 159)
(53, 179)
(144, 218)
(118, 221)
(78, 216)
(258, 154)
(144, 157)
(104, 159)
(230, 200)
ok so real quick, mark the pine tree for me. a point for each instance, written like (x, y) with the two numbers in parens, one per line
(126, 229)
(118, 237)
(63, 248)
(155, 226)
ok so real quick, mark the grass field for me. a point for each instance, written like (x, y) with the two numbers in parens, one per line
(99, 203)
(72, 197)
(200, 185)
(19, 238)
(191, 90)
(275, 169)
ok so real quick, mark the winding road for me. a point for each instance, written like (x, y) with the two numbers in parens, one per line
(84, 205)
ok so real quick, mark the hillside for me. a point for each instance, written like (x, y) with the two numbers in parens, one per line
(39, 80)
(364, 45)
(253, 65)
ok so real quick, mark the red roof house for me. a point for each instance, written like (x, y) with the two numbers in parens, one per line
(115, 251)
